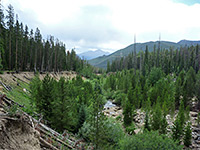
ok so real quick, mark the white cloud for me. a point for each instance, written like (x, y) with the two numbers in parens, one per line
(110, 24)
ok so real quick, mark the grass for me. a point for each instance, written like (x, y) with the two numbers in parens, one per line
(20, 96)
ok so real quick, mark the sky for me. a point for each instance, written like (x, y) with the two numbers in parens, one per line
(110, 25)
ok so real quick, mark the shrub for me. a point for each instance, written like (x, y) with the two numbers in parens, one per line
(130, 129)
(187, 135)
(148, 141)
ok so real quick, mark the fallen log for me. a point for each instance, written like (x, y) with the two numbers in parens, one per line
(48, 145)
(8, 89)
(57, 139)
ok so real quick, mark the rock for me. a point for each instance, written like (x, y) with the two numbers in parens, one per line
(198, 142)
(197, 130)
(193, 114)
(195, 137)
(137, 131)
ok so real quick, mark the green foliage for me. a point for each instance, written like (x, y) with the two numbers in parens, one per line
(198, 118)
(155, 75)
(130, 129)
(112, 134)
(179, 87)
(148, 140)
(177, 130)
(63, 103)
(12, 110)
(156, 117)
(128, 113)
(147, 126)
(188, 135)
(188, 86)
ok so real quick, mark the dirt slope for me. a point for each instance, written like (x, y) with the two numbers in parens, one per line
(17, 134)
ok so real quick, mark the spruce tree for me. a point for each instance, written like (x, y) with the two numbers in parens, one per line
(177, 129)
(128, 113)
(188, 86)
(156, 117)
(10, 24)
(97, 118)
(46, 100)
(147, 126)
(188, 135)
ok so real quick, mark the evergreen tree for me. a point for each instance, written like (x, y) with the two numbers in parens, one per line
(128, 113)
(177, 130)
(1, 37)
(188, 135)
(60, 106)
(156, 118)
(10, 24)
(47, 97)
(188, 86)
(179, 88)
(16, 43)
(147, 126)
(137, 96)
(197, 89)
(97, 118)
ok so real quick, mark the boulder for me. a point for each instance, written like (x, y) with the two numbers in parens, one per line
(193, 114)
(136, 131)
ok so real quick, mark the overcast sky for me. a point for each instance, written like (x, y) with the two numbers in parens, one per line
(110, 24)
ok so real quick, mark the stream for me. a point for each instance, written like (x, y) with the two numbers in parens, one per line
(109, 104)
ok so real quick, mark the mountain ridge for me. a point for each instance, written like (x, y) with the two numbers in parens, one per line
(93, 54)
(101, 62)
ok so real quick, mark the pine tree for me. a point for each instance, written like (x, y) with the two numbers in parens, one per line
(197, 89)
(156, 117)
(47, 97)
(128, 113)
(188, 86)
(97, 118)
(177, 130)
(38, 38)
(16, 42)
(137, 96)
(10, 24)
(179, 88)
(188, 135)
(147, 126)
(1, 37)
(60, 106)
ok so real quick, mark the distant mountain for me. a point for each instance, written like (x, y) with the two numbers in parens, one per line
(101, 62)
(188, 43)
(93, 54)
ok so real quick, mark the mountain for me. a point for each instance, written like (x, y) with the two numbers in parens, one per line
(188, 43)
(92, 54)
(101, 61)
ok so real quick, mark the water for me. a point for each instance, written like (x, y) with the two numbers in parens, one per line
(109, 104)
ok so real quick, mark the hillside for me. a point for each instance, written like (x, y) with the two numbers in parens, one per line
(92, 54)
(102, 61)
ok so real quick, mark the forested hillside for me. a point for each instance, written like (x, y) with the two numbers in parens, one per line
(23, 49)
(152, 46)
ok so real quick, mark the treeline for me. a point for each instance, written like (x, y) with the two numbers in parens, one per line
(22, 49)
(167, 89)
(170, 61)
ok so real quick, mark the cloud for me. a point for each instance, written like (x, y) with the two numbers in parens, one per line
(110, 24)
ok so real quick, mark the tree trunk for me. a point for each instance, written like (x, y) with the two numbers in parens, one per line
(10, 52)
(16, 69)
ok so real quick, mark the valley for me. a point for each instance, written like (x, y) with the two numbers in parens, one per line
(145, 96)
